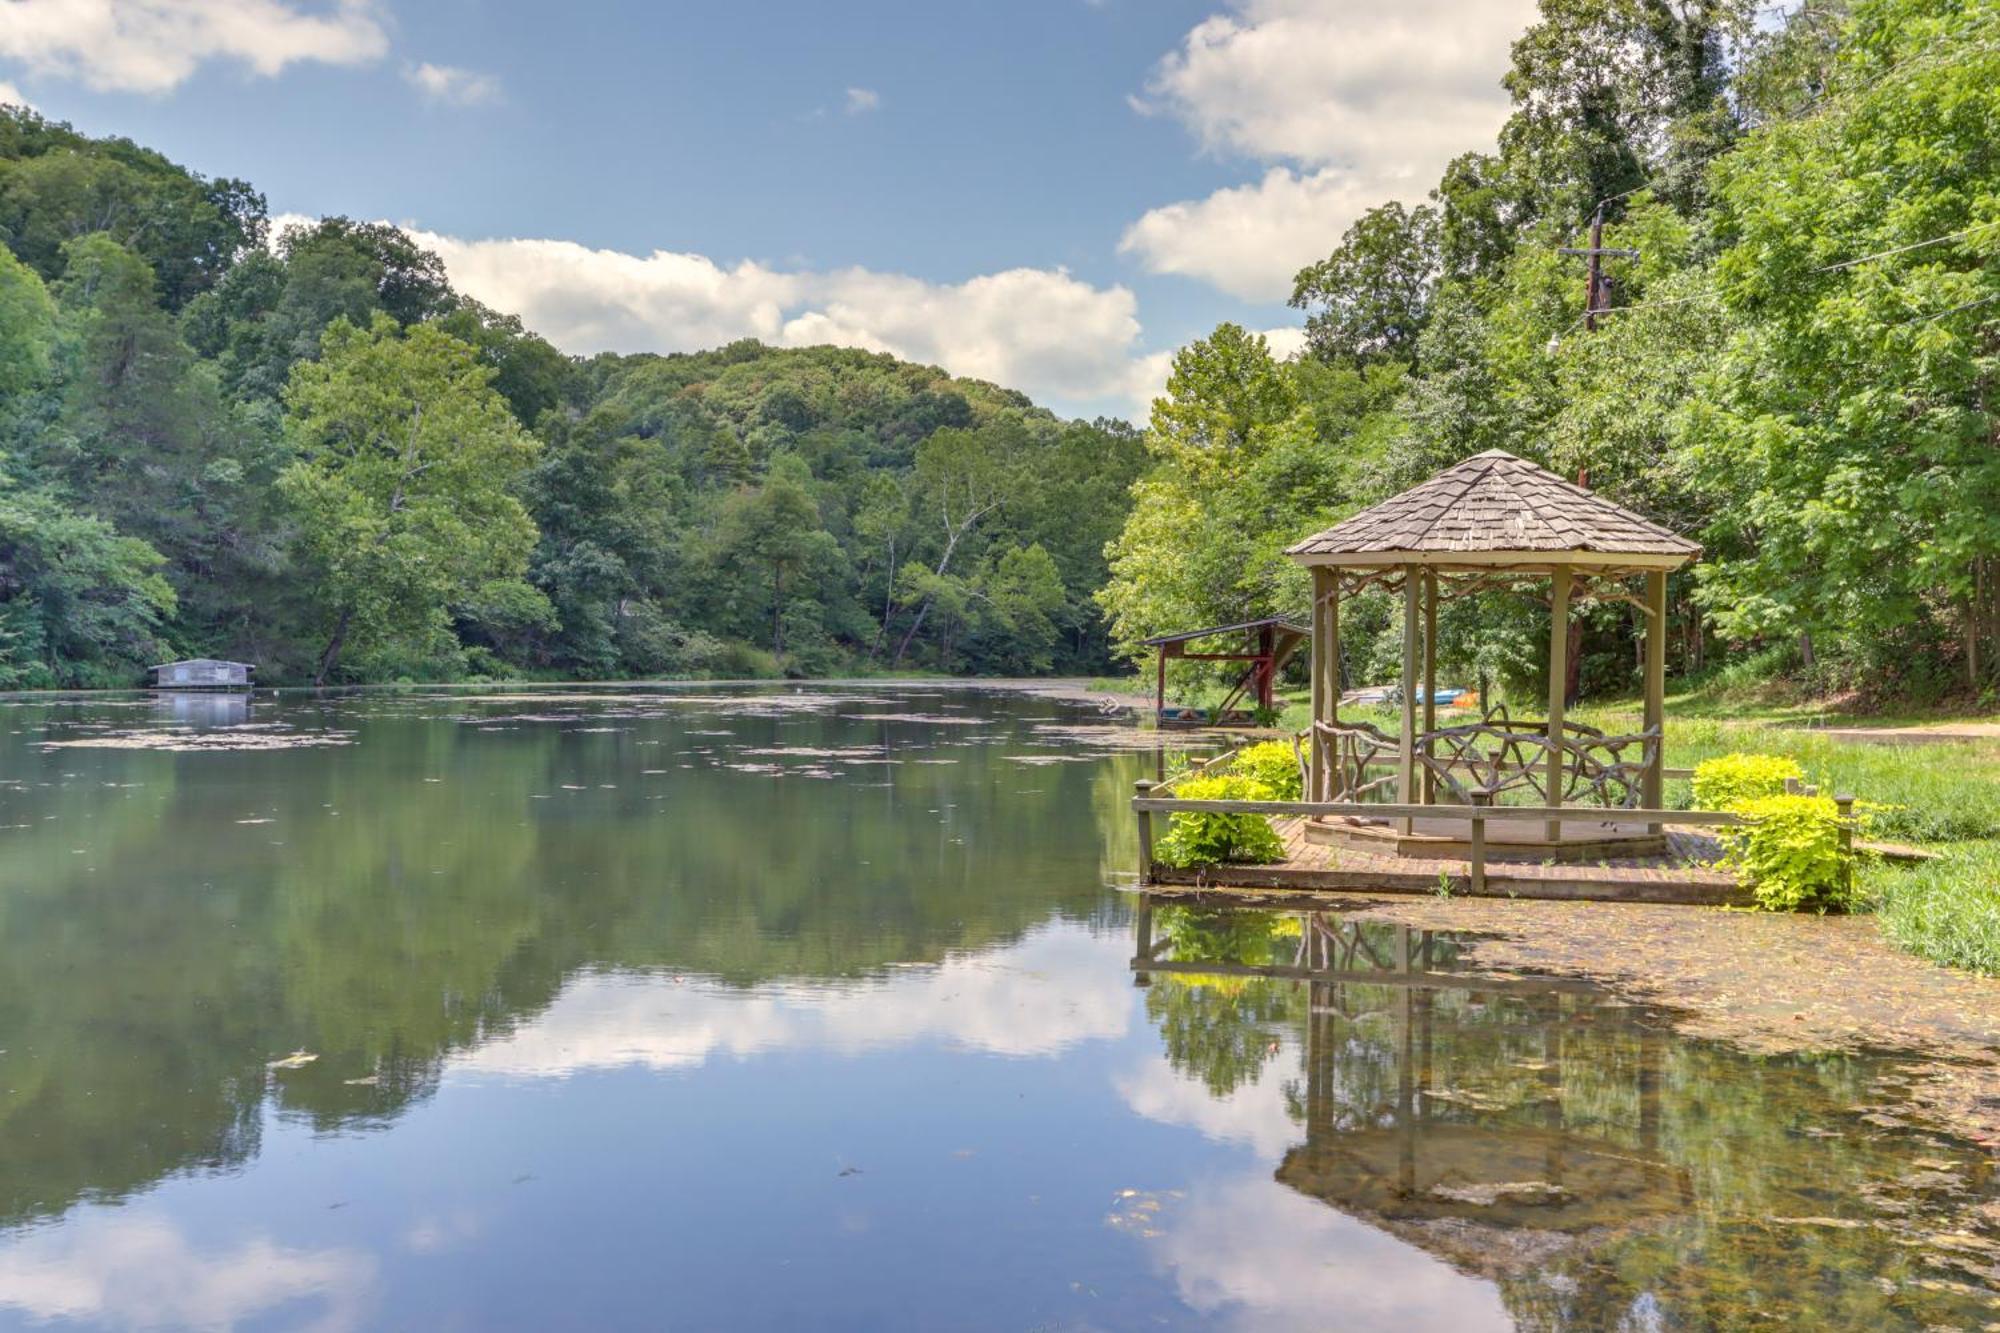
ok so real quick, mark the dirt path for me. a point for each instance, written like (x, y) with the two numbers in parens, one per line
(1928, 734)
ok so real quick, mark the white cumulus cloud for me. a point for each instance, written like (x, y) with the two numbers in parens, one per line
(1350, 102)
(13, 96)
(1043, 331)
(452, 85)
(152, 46)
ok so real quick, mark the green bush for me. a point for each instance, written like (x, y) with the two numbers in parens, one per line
(1721, 782)
(1947, 910)
(1788, 852)
(1273, 763)
(1198, 838)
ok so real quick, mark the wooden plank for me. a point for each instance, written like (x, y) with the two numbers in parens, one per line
(1563, 884)
(1558, 689)
(1430, 677)
(1466, 981)
(1141, 788)
(1654, 788)
(1587, 814)
(1406, 751)
(1480, 801)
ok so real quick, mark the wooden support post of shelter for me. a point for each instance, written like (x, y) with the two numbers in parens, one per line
(1406, 757)
(1492, 521)
(1272, 641)
(1558, 690)
(1655, 715)
(1430, 677)
(1325, 677)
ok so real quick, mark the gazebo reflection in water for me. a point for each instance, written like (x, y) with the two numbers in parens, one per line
(1483, 1118)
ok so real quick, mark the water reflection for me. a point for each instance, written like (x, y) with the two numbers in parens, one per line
(510, 882)
(202, 708)
(126, 1271)
(1051, 991)
(1600, 1171)
(798, 1007)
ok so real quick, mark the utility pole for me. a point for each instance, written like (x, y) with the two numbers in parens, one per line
(1597, 299)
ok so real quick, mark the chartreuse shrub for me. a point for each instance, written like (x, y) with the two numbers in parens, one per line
(1720, 782)
(1198, 838)
(1273, 763)
(1788, 851)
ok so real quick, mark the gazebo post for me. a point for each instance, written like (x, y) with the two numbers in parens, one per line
(1406, 773)
(1430, 678)
(1653, 793)
(1325, 677)
(1558, 687)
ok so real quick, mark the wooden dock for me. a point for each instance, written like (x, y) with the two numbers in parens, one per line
(1681, 876)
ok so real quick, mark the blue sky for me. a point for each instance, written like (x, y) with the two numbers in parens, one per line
(1049, 193)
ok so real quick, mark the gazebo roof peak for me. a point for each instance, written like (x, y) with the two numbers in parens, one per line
(1495, 509)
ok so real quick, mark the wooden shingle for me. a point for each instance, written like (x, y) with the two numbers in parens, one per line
(1495, 504)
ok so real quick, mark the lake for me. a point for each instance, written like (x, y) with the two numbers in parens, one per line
(830, 1007)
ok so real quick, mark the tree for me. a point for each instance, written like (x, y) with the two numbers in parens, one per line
(1609, 92)
(57, 185)
(527, 371)
(777, 527)
(403, 492)
(27, 329)
(962, 480)
(1020, 596)
(1249, 455)
(1369, 299)
(79, 604)
(1850, 426)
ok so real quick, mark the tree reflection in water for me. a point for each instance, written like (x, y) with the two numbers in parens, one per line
(1603, 1171)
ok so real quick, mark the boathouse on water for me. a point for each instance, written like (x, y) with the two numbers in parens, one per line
(201, 673)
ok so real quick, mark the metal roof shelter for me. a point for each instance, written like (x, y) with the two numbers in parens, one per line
(1275, 640)
(1493, 520)
(201, 673)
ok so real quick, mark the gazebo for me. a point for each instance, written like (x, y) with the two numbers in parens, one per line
(1493, 521)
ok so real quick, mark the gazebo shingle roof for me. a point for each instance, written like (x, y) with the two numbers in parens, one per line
(1494, 503)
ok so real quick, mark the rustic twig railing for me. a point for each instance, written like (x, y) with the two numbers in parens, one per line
(1495, 755)
(1477, 814)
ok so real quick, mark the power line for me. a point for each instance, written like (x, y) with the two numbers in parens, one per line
(1913, 245)
(1940, 314)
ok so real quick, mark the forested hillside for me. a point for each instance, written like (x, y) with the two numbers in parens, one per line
(308, 452)
(1797, 369)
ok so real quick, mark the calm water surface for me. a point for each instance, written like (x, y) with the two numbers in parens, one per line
(793, 1008)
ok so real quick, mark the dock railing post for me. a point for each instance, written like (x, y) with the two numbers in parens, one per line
(1142, 789)
(1844, 803)
(1481, 799)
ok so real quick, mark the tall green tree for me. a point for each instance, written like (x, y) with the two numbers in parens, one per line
(776, 530)
(403, 492)
(1370, 299)
(1852, 425)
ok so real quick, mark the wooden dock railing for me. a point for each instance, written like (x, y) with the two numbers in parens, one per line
(1146, 804)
